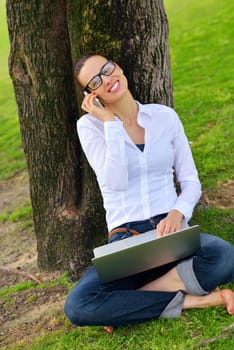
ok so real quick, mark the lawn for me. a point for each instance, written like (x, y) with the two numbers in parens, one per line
(202, 46)
(201, 42)
(11, 153)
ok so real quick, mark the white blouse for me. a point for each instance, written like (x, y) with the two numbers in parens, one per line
(137, 185)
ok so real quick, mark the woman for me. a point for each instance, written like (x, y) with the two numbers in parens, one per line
(133, 149)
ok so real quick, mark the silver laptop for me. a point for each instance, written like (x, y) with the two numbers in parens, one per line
(143, 252)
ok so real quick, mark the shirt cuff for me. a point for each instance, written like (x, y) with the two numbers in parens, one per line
(184, 208)
(113, 129)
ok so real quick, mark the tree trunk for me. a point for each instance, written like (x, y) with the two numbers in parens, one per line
(67, 209)
(132, 32)
(143, 29)
(46, 39)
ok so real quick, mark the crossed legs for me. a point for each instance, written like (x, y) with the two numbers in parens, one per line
(190, 284)
(199, 277)
(171, 282)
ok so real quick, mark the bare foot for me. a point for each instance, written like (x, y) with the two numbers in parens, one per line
(228, 296)
(109, 329)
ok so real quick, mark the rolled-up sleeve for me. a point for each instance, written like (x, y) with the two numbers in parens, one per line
(186, 172)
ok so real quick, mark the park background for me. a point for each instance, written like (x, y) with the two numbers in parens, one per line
(201, 47)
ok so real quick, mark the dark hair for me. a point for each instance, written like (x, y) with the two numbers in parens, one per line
(80, 63)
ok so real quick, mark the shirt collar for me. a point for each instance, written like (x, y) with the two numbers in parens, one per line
(144, 115)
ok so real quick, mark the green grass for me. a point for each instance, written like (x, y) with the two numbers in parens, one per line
(16, 288)
(220, 222)
(202, 46)
(11, 153)
(20, 214)
(62, 280)
(181, 334)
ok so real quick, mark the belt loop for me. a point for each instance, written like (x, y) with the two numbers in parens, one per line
(152, 222)
(128, 226)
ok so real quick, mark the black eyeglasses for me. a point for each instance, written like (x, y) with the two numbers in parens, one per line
(96, 81)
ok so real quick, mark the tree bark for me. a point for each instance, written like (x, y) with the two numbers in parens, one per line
(47, 37)
(67, 209)
(144, 55)
(132, 32)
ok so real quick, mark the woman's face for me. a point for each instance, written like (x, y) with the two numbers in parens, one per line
(113, 86)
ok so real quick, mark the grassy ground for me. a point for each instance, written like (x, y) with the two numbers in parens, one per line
(202, 65)
(11, 154)
(201, 41)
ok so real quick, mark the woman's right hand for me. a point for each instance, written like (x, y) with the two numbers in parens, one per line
(171, 223)
(89, 106)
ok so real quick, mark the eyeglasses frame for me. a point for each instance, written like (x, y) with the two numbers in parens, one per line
(87, 88)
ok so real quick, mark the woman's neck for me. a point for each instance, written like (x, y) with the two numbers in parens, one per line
(125, 109)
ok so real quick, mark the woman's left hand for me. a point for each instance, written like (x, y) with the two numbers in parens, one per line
(171, 223)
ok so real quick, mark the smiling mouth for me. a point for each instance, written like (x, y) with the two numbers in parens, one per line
(114, 87)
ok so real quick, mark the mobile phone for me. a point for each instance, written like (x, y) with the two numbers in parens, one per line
(97, 102)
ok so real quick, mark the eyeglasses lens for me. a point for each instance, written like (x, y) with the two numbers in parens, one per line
(106, 70)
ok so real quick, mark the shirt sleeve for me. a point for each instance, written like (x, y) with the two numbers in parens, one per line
(105, 152)
(186, 172)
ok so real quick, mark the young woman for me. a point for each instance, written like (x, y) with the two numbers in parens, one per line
(133, 149)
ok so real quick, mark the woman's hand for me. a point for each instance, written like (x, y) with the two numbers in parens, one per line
(88, 105)
(171, 223)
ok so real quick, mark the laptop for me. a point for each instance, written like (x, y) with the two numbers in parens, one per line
(143, 252)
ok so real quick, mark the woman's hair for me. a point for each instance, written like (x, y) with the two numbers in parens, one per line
(80, 63)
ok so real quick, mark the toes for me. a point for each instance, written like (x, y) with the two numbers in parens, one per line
(228, 297)
(109, 329)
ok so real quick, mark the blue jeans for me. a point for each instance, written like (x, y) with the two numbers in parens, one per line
(120, 303)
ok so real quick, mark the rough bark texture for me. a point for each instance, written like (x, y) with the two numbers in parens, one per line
(67, 207)
(144, 53)
(46, 38)
(132, 32)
